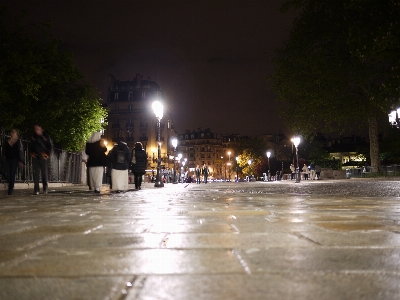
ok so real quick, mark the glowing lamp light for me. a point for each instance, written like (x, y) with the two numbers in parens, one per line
(392, 117)
(158, 109)
(249, 162)
(180, 156)
(268, 154)
(174, 142)
(296, 141)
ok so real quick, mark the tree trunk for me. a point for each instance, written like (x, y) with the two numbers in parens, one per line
(374, 144)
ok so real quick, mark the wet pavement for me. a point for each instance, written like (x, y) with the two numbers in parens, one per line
(263, 240)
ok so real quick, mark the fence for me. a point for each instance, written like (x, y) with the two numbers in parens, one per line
(365, 172)
(63, 166)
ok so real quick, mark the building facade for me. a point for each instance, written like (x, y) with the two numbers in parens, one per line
(131, 118)
(201, 147)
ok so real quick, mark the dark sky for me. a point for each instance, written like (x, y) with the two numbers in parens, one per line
(211, 58)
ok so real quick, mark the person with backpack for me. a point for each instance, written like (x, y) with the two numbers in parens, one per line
(120, 161)
(139, 164)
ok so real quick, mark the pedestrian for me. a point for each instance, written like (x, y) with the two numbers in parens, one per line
(312, 172)
(139, 164)
(13, 152)
(305, 172)
(205, 172)
(41, 148)
(84, 160)
(97, 160)
(120, 161)
(293, 170)
(198, 173)
(318, 171)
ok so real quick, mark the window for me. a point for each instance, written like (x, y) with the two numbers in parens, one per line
(130, 107)
(143, 94)
(192, 136)
(202, 135)
(116, 96)
(130, 96)
(186, 137)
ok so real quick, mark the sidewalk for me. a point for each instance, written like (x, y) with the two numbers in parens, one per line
(260, 240)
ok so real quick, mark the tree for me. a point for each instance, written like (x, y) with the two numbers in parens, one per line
(39, 83)
(339, 69)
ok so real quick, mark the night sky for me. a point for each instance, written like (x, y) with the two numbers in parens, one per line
(210, 58)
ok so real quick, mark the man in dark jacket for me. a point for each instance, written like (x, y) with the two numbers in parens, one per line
(205, 172)
(96, 150)
(139, 164)
(41, 148)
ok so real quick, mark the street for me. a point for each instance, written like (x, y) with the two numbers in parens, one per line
(337, 239)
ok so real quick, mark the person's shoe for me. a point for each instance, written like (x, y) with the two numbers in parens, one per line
(45, 192)
(140, 188)
(36, 193)
(97, 191)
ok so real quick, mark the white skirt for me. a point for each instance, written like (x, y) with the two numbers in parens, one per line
(119, 180)
(96, 177)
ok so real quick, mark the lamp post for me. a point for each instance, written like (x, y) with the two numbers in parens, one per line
(229, 164)
(237, 168)
(158, 111)
(174, 143)
(179, 162)
(249, 163)
(296, 142)
(394, 118)
(183, 170)
(269, 173)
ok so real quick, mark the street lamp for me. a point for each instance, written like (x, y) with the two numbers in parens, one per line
(158, 111)
(296, 142)
(237, 168)
(249, 162)
(174, 143)
(269, 173)
(229, 171)
(394, 118)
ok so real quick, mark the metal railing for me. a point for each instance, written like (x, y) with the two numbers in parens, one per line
(367, 171)
(63, 166)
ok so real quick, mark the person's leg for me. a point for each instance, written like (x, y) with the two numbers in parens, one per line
(136, 180)
(44, 170)
(36, 174)
(13, 165)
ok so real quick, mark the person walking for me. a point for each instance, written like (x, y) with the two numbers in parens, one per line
(312, 172)
(318, 172)
(198, 174)
(41, 148)
(120, 158)
(305, 172)
(13, 152)
(96, 160)
(139, 164)
(205, 172)
(293, 170)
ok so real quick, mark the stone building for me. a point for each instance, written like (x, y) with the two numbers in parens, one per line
(131, 118)
(199, 147)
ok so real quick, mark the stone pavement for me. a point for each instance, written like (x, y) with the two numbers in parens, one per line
(261, 240)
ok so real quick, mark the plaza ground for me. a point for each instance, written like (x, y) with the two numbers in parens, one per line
(337, 239)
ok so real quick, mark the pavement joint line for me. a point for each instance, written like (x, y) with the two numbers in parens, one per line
(299, 235)
(39, 242)
(242, 261)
